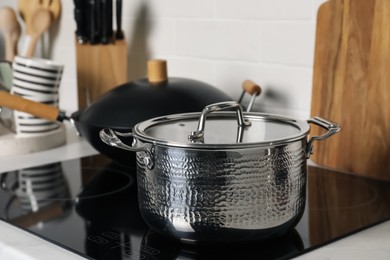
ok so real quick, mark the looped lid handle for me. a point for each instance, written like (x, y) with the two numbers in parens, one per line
(199, 133)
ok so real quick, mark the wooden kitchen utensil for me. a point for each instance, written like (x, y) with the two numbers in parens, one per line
(27, 9)
(40, 23)
(33, 13)
(351, 85)
(10, 28)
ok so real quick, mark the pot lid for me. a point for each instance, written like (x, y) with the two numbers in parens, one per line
(221, 130)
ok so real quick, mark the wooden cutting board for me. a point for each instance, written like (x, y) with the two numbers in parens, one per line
(351, 85)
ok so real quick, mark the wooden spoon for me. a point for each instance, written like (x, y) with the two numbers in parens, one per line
(40, 23)
(10, 28)
(27, 9)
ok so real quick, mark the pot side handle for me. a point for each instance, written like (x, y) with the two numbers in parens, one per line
(332, 128)
(111, 138)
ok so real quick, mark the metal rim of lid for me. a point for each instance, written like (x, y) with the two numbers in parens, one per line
(139, 131)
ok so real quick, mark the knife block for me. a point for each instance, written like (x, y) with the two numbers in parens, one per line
(100, 68)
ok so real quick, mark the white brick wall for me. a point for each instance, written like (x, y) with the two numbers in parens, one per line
(264, 9)
(221, 42)
(288, 43)
(226, 40)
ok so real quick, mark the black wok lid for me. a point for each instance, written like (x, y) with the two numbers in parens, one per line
(126, 105)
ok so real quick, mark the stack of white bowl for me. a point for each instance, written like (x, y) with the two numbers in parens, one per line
(38, 80)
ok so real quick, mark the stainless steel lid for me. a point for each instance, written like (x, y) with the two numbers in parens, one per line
(221, 130)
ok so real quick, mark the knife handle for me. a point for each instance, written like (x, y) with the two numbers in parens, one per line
(81, 13)
(119, 33)
(93, 28)
(106, 21)
(77, 16)
(103, 22)
(81, 38)
(109, 19)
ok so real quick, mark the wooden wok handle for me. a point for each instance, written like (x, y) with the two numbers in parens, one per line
(24, 105)
(251, 87)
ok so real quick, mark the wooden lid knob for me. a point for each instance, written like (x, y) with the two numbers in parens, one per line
(251, 87)
(157, 71)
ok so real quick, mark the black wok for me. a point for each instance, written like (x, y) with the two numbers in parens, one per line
(119, 109)
(124, 106)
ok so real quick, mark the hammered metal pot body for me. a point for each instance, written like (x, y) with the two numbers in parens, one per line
(230, 177)
(200, 195)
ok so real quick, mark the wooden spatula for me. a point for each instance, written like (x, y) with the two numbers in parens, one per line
(40, 23)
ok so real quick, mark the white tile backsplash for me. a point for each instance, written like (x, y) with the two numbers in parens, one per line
(169, 8)
(288, 87)
(264, 9)
(289, 42)
(230, 76)
(62, 32)
(284, 88)
(220, 42)
(193, 69)
(68, 95)
(154, 36)
(182, 8)
(239, 40)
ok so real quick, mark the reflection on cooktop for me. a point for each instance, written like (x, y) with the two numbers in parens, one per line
(341, 203)
(35, 195)
(155, 246)
(110, 200)
(108, 182)
(90, 206)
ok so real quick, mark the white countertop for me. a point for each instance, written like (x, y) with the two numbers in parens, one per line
(372, 243)
(75, 147)
(15, 243)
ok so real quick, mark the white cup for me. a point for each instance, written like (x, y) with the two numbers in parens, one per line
(30, 125)
(36, 72)
(42, 65)
(19, 88)
(38, 80)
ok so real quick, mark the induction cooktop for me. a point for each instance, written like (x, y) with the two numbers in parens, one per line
(89, 206)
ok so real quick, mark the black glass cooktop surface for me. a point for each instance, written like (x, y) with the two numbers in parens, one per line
(89, 206)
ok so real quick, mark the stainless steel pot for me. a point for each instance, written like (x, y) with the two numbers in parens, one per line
(224, 181)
